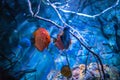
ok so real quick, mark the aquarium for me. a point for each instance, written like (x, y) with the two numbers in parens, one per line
(59, 39)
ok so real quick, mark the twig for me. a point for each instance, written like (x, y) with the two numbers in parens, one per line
(48, 20)
(30, 8)
(91, 16)
(38, 8)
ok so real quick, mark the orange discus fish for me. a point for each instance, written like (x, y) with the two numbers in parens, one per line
(41, 39)
(59, 43)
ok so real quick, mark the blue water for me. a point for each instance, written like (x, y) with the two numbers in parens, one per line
(94, 26)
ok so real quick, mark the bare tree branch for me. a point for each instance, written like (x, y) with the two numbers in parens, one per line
(90, 16)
